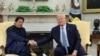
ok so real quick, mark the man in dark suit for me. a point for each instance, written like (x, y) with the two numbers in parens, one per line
(66, 36)
(17, 40)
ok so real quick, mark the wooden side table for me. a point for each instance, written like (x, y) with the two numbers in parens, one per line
(1, 18)
(94, 36)
(98, 48)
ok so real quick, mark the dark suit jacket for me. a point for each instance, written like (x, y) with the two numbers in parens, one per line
(73, 37)
(16, 39)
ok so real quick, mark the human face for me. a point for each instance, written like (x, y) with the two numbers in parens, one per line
(19, 23)
(61, 19)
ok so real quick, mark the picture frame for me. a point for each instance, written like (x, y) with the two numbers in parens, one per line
(35, 0)
(41, 0)
(91, 6)
(25, 0)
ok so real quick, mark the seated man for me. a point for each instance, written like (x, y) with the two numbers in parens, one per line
(17, 40)
(67, 38)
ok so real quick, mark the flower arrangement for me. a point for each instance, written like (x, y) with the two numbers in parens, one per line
(24, 9)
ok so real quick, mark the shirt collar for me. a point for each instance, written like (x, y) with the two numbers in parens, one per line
(63, 26)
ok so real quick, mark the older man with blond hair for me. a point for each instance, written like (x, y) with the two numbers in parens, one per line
(67, 38)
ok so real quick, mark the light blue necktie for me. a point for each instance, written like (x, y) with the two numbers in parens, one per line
(64, 42)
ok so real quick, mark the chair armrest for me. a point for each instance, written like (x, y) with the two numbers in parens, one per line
(3, 50)
(32, 50)
(87, 45)
(51, 52)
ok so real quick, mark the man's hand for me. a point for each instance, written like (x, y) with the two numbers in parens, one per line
(32, 43)
(74, 53)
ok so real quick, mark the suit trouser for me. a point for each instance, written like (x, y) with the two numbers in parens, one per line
(19, 48)
(60, 51)
(25, 52)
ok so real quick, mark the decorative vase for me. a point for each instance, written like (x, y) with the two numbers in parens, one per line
(1, 7)
(11, 8)
(57, 8)
(63, 8)
(33, 8)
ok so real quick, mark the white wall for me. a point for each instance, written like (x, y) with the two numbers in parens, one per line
(1, 1)
(91, 17)
(35, 19)
(50, 19)
(51, 3)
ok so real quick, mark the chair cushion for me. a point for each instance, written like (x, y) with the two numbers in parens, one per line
(11, 55)
(33, 54)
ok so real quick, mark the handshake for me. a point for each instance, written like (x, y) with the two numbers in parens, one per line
(32, 43)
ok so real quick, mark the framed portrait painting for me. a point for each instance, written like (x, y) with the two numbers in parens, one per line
(91, 6)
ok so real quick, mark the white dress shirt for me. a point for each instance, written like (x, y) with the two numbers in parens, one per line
(65, 31)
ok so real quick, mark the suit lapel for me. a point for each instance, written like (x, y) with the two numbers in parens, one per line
(58, 31)
(68, 31)
(58, 35)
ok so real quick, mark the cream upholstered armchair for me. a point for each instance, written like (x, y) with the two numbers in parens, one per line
(3, 27)
(84, 30)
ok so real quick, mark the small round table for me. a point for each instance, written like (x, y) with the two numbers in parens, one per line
(98, 48)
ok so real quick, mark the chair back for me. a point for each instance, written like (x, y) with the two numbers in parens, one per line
(3, 35)
(84, 31)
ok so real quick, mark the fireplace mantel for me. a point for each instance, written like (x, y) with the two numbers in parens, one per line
(32, 13)
(7, 14)
(44, 22)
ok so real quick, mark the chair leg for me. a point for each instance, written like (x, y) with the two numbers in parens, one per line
(3, 50)
(97, 53)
